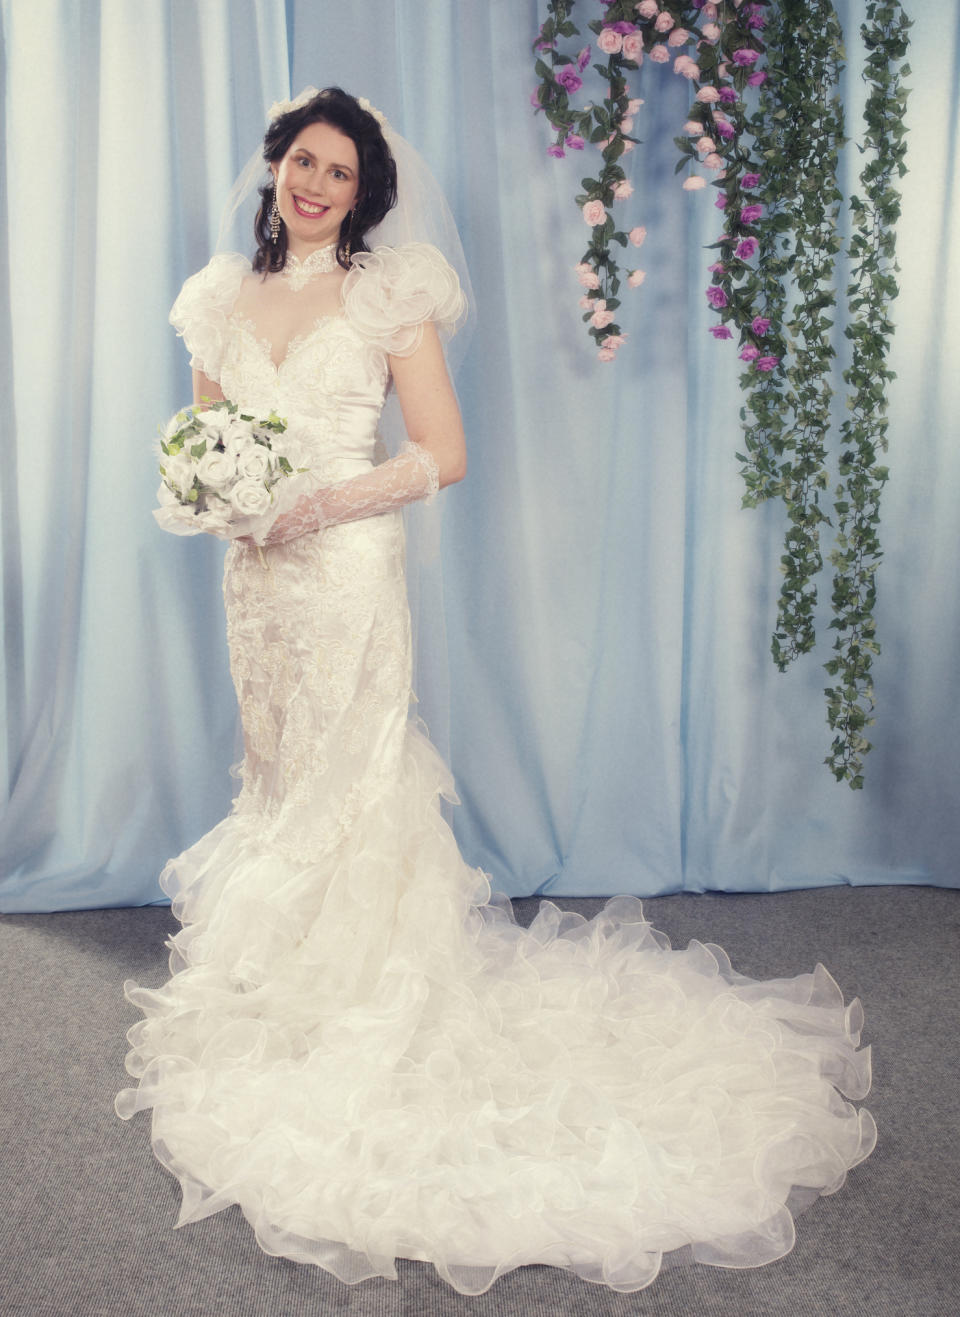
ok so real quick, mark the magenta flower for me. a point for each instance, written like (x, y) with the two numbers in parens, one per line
(751, 213)
(721, 201)
(757, 78)
(720, 331)
(623, 27)
(574, 141)
(747, 248)
(728, 95)
(535, 99)
(556, 151)
(716, 268)
(569, 79)
(583, 59)
(749, 353)
(766, 363)
(760, 325)
(716, 297)
(750, 180)
(726, 130)
(745, 57)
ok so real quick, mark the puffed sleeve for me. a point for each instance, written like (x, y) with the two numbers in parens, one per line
(199, 314)
(391, 292)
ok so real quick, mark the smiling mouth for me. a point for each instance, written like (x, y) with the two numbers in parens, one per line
(308, 208)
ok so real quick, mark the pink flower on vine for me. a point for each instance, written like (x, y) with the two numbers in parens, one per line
(708, 11)
(622, 190)
(647, 8)
(678, 37)
(744, 57)
(720, 331)
(766, 363)
(707, 95)
(693, 127)
(633, 105)
(556, 151)
(746, 248)
(749, 214)
(750, 180)
(760, 325)
(626, 125)
(757, 78)
(664, 22)
(637, 235)
(583, 59)
(636, 277)
(711, 32)
(725, 129)
(716, 297)
(569, 80)
(713, 161)
(728, 95)
(633, 47)
(721, 201)
(660, 54)
(606, 354)
(594, 213)
(610, 42)
(574, 141)
(600, 319)
(535, 99)
(585, 303)
(694, 183)
(749, 353)
(687, 67)
(614, 341)
(586, 276)
(706, 144)
(716, 268)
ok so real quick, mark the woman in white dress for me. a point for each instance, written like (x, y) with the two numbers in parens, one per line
(357, 1044)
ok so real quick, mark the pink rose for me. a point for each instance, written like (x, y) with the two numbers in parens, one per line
(750, 180)
(694, 183)
(749, 353)
(600, 319)
(693, 128)
(660, 55)
(556, 151)
(760, 325)
(716, 297)
(633, 47)
(626, 125)
(622, 190)
(765, 363)
(664, 22)
(706, 144)
(709, 11)
(610, 42)
(707, 95)
(636, 277)
(627, 147)
(606, 354)
(614, 341)
(678, 37)
(757, 79)
(574, 141)
(646, 8)
(586, 277)
(746, 248)
(686, 67)
(637, 235)
(716, 267)
(744, 57)
(594, 213)
(633, 105)
(712, 161)
(585, 303)
(711, 31)
(583, 59)
(720, 331)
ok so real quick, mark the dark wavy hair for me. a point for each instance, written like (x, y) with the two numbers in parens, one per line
(378, 174)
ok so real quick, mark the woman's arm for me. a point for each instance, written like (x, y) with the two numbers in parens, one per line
(203, 388)
(434, 455)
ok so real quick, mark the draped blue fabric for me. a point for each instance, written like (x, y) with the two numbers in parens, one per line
(617, 724)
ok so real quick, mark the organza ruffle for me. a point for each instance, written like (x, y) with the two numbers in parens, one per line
(374, 1060)
(390, 293)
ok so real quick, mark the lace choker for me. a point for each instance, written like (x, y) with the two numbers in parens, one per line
(299, 273)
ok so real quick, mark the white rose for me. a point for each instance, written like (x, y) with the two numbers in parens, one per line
(255, 463)
(179, 472)
(216, 469)
(250, 497)
(236, 436)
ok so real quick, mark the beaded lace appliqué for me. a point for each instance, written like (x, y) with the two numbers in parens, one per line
(298, 273)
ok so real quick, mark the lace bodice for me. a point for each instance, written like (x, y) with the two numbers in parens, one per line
(331, 382)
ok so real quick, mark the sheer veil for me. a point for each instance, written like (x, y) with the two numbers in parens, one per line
(422, 214)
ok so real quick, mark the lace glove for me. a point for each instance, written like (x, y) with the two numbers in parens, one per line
(411, 475)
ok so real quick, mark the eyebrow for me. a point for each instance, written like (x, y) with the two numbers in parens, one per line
(302, 150)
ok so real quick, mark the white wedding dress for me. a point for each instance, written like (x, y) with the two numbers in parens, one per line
(361, 1048)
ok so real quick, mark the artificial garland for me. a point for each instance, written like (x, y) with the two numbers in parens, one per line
(775, 173)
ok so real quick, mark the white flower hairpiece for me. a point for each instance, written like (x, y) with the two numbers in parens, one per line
(279, 108)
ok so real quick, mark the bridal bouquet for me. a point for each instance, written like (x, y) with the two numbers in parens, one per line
(220, 470)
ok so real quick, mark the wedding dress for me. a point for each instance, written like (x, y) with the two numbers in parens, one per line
(358, 1045)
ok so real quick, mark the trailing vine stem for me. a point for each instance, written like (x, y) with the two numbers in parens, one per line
(872, 286)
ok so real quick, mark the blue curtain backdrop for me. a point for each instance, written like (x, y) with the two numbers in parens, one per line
(617, 725)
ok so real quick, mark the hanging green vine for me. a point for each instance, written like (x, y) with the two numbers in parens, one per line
(775, 174)
(872, 287)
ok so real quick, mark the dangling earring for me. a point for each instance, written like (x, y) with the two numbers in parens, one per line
(346, 250)
(274, 219)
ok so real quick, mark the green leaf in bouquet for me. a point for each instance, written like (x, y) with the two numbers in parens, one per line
(197, 450)
(193, 495)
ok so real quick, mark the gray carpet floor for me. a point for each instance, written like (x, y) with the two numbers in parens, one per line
(86, 1213)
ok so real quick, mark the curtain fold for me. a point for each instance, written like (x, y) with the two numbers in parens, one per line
(616, 724)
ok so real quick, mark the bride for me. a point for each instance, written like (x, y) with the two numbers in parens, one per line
(357, 1044)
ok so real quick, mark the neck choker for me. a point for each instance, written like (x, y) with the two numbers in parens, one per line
(299, 273)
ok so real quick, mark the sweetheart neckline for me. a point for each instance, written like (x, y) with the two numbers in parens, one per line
(293, 345)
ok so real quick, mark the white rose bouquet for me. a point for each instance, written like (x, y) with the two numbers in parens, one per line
(220, 469)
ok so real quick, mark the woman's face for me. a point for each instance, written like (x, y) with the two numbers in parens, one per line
(317, 183)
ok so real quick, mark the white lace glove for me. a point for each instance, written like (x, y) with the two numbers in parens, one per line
(411, 475)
